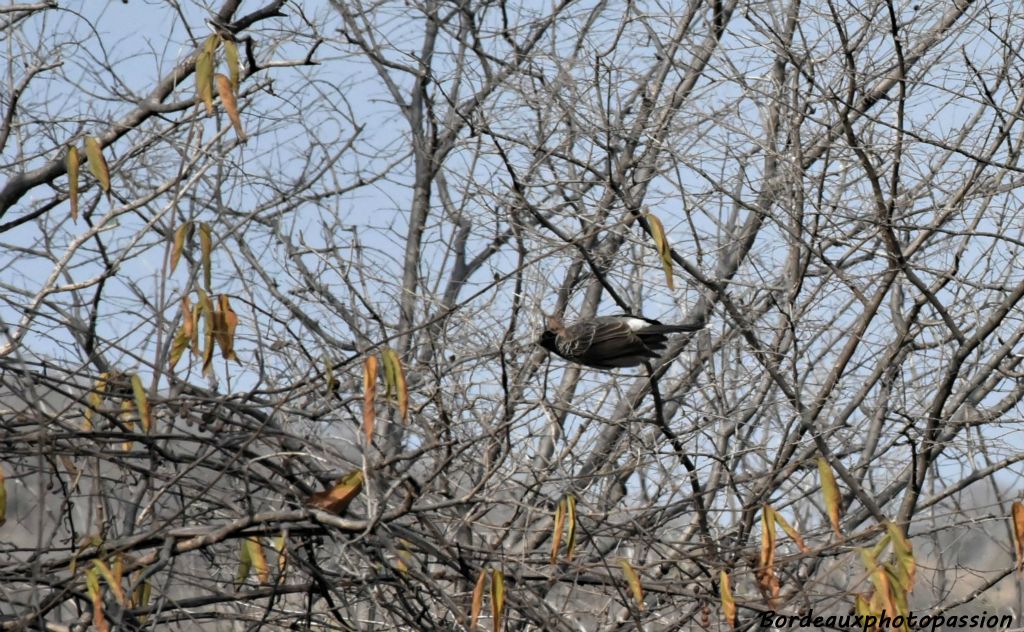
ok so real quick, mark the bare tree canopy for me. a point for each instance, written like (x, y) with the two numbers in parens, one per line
(274, 274)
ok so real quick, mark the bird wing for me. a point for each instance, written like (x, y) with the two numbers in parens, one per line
(610, 343)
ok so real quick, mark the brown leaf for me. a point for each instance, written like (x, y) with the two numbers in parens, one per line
(227, 97)
(179, 243)
(71, 162)
(556, 534)
(226, 321)
(478, 599)
(206, 248)
(97, 163)
(337, 499)
(728, 601)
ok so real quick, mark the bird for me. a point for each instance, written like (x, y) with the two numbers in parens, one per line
(609, 342)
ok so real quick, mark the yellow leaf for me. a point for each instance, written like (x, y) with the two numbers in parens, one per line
(244, 564)
(634, 582)
(95, 399)
(767, 580)
(556, 535)
(97, 163)
(127, 418)
(231, 57)
(179, 344)
(141, 594)
(728, 602)
(92, 584)
(1017, 511)
(570, 506)
(209, 321)
(206, 248)
(791, 532)
(227, 97)
(369, 396)
(71, 162)
(830, 493)
(258, 559)
(204, 73)
(394, 378)
(112, 581)
(338, 498)
(903, 551)
(142, 403)
(191, 316)
(664, 250)
(332, 383)
(180, 236)
(3, 498)
(497, 598)
(281, 547)
(478, 599)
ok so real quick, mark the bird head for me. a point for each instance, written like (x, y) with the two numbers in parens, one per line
(554, 327)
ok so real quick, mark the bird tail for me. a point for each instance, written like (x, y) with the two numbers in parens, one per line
(673, 329)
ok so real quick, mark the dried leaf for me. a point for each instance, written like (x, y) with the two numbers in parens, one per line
(95, 400)
(338, 498)
(478, 599)
(791, 532)
(570, 505)
(634, 582)
(142, 404)
(394, 379)
(1017, 511)
(664, 250)
(141, 594)
(497, 598)
(226, 321)
(258, 559)
(556, 534)
(97, 163)
(332, 382)
(227, 97)
(206, 248)
(180, 236)
(71, 162)
(244, 564)
(204, 73)
(281, 548)
(92, 584)
(369, 396)
(767, 580)
(903, 551)
(830, 494)
(112, 581)
(728, 601)
(3, 497)
(231, 58)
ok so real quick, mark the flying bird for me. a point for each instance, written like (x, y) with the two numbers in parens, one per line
(609, 342)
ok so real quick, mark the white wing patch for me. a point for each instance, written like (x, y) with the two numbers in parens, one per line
(636, 324)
